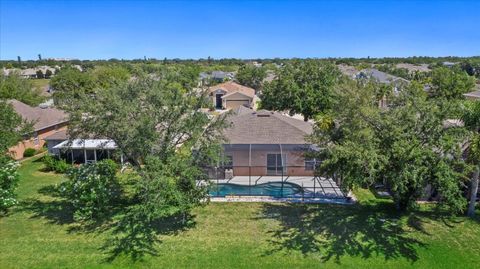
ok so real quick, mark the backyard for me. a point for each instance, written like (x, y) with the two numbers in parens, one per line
(40, 233)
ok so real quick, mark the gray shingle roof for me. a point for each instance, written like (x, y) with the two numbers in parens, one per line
(265, 127)
(60, 135)
(380, 76)
(41, 117)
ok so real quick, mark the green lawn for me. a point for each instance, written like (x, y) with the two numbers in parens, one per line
(40, 85)
(39, 233)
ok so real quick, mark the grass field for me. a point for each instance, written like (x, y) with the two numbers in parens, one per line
(40, 85)
(40, 233)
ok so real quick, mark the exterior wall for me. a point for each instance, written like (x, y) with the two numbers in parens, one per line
(232, 104)
(235, 100)
(295, 162)
(17, 151)
(51, 144)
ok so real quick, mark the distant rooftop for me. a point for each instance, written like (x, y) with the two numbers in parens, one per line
(380, 76)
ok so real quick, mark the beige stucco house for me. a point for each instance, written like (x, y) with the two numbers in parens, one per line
(231, 95)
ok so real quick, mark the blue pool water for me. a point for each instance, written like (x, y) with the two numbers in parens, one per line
(274, 189)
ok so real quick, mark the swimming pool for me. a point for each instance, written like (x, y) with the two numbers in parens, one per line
(273, 189)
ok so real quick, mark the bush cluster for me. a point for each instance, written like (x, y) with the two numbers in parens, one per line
(54, 164)
(8, 183)
(91, 189)
(29, 152)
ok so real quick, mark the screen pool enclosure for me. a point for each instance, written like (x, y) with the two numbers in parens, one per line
(274, 170)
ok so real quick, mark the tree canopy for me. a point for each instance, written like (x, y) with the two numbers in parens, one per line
(304, 87)
(251, 76)
(450, 83)
(161, 129)
(70, 83)
(406, 146)
(15, 87)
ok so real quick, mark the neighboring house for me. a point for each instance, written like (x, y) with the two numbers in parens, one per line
(29, 72)
(475, 95)
(381, 77)
(264, 143)
(397, 83)
(348, 70)
(449, 64)
(230, 95)
(414, 67)
(215, 76)
(46, 121)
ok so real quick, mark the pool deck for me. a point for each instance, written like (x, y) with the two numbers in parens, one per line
(314, 187)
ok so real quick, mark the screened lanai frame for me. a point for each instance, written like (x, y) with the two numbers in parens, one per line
(251, 169)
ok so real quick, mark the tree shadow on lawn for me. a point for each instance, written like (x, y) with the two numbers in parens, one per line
(334, 231)
(135, 236)
(129, 231)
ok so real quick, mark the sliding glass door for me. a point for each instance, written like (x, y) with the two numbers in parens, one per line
(276, 164)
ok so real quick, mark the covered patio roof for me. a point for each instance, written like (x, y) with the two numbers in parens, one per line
(87, 144)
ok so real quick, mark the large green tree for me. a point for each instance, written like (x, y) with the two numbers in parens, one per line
(450, 83)
(70, 83)
(406, 146)
(305, 87)
(251, 76)
(15, 87)
(106, 76)
(160, 128)
(471, 119)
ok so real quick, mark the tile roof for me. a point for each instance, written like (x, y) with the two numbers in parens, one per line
(41, 117)
(231, 87)
(265, 127)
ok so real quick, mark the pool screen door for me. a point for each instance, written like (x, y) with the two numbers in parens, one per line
(276, 164)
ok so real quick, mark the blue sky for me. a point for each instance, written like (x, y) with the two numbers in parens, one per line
(234, 29)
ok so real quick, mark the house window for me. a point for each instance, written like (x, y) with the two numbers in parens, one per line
(276, 164)
(311, 164)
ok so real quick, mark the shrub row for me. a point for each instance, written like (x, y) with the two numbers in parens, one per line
(54, 164)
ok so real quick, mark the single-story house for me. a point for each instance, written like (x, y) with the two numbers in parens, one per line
(265, 143)
(215, 76)
(46, 121)
(381, 77)
(231, 95)
(397, 83)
